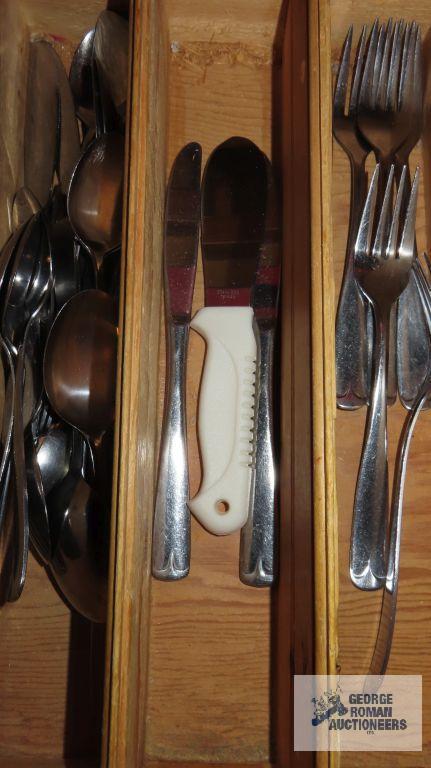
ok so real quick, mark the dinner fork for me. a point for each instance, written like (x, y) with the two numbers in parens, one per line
(351, 347)
(382, 271)
(382, 649)
(387, 118)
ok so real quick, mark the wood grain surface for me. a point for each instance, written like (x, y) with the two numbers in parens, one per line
(359, 611)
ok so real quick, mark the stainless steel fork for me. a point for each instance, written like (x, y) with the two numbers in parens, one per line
(351, 347)
(382, 649)
(382, 270)
(389, 117)
(413, 339)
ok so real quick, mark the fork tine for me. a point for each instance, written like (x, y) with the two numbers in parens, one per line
(381, 44)
(423, 289)
(365, 229)
(418, 74)
(407, 244)
(406, 83)
(365, 92)
(343, 75)
(357, 72)
(391, 248)
(383, 67)
(394, 66)
(381, 237)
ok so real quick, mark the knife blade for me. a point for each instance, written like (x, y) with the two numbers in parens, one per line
(171, 530)
(258, 544)
(233, 217)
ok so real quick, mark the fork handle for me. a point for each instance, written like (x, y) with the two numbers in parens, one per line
(370, 511)
(351, 348)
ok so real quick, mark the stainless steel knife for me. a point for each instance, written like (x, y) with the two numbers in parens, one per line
(233, 219)
(171, 531)
(258, 537)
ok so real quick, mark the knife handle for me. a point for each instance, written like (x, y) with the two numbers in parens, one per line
(226, 416)
(171, 528)
(257, 537)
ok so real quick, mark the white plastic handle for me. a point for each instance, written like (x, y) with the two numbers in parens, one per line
(226, 417)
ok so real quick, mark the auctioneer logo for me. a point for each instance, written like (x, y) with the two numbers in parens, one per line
(358, 712)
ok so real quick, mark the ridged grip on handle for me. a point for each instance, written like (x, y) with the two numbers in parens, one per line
(226, 411)
(371, 505)
(257, 553)
(171, 529)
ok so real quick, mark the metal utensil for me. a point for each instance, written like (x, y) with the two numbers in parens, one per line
(258, 536)
(352, 327)
(413, 341)
(81, 384)
(171, 527)
(233, 218)
(94, 202)
(384, 118)
(81, 80)
(382, 271)
(79, 531)
(112, 34)
(28, 291)
(382, 649)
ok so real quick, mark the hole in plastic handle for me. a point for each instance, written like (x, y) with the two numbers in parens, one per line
(222, 507)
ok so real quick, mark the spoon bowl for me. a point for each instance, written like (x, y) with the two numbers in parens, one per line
(80, 361)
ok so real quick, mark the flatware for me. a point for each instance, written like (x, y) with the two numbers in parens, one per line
(112, 35)
(258, 536)
(352, 327)
(27, 293)
(382, 649)
(385, 121)
(413, 341)
(81, 80)
(171, 527)
(95, 196)
(382, 270)
(80, 385)
(233, 217)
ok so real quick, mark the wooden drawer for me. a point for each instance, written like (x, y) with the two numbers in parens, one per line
(198, 671)
(353, 615)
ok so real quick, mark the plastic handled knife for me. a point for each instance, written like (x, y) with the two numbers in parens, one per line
(233, 217)
(258, 537)
(171, 530)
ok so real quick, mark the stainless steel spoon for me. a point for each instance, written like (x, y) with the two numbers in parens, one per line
(81, 82)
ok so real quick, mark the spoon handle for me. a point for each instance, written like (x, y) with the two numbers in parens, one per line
(171, 532)
(22, 523)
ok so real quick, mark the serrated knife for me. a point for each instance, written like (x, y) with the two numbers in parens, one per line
(171, 530)
(258, 537)
(233, 217)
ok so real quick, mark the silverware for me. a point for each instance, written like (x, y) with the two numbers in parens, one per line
(81, 384)
(233, 220)
(112, 34)
(258, 548)
(171, 526)
(351, 347)
(81, 80)
(385, 118)
(382, 649)
(382, 271)
(413, 341)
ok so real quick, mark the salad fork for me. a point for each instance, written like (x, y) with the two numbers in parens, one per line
(382, 271)
(351, 347)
